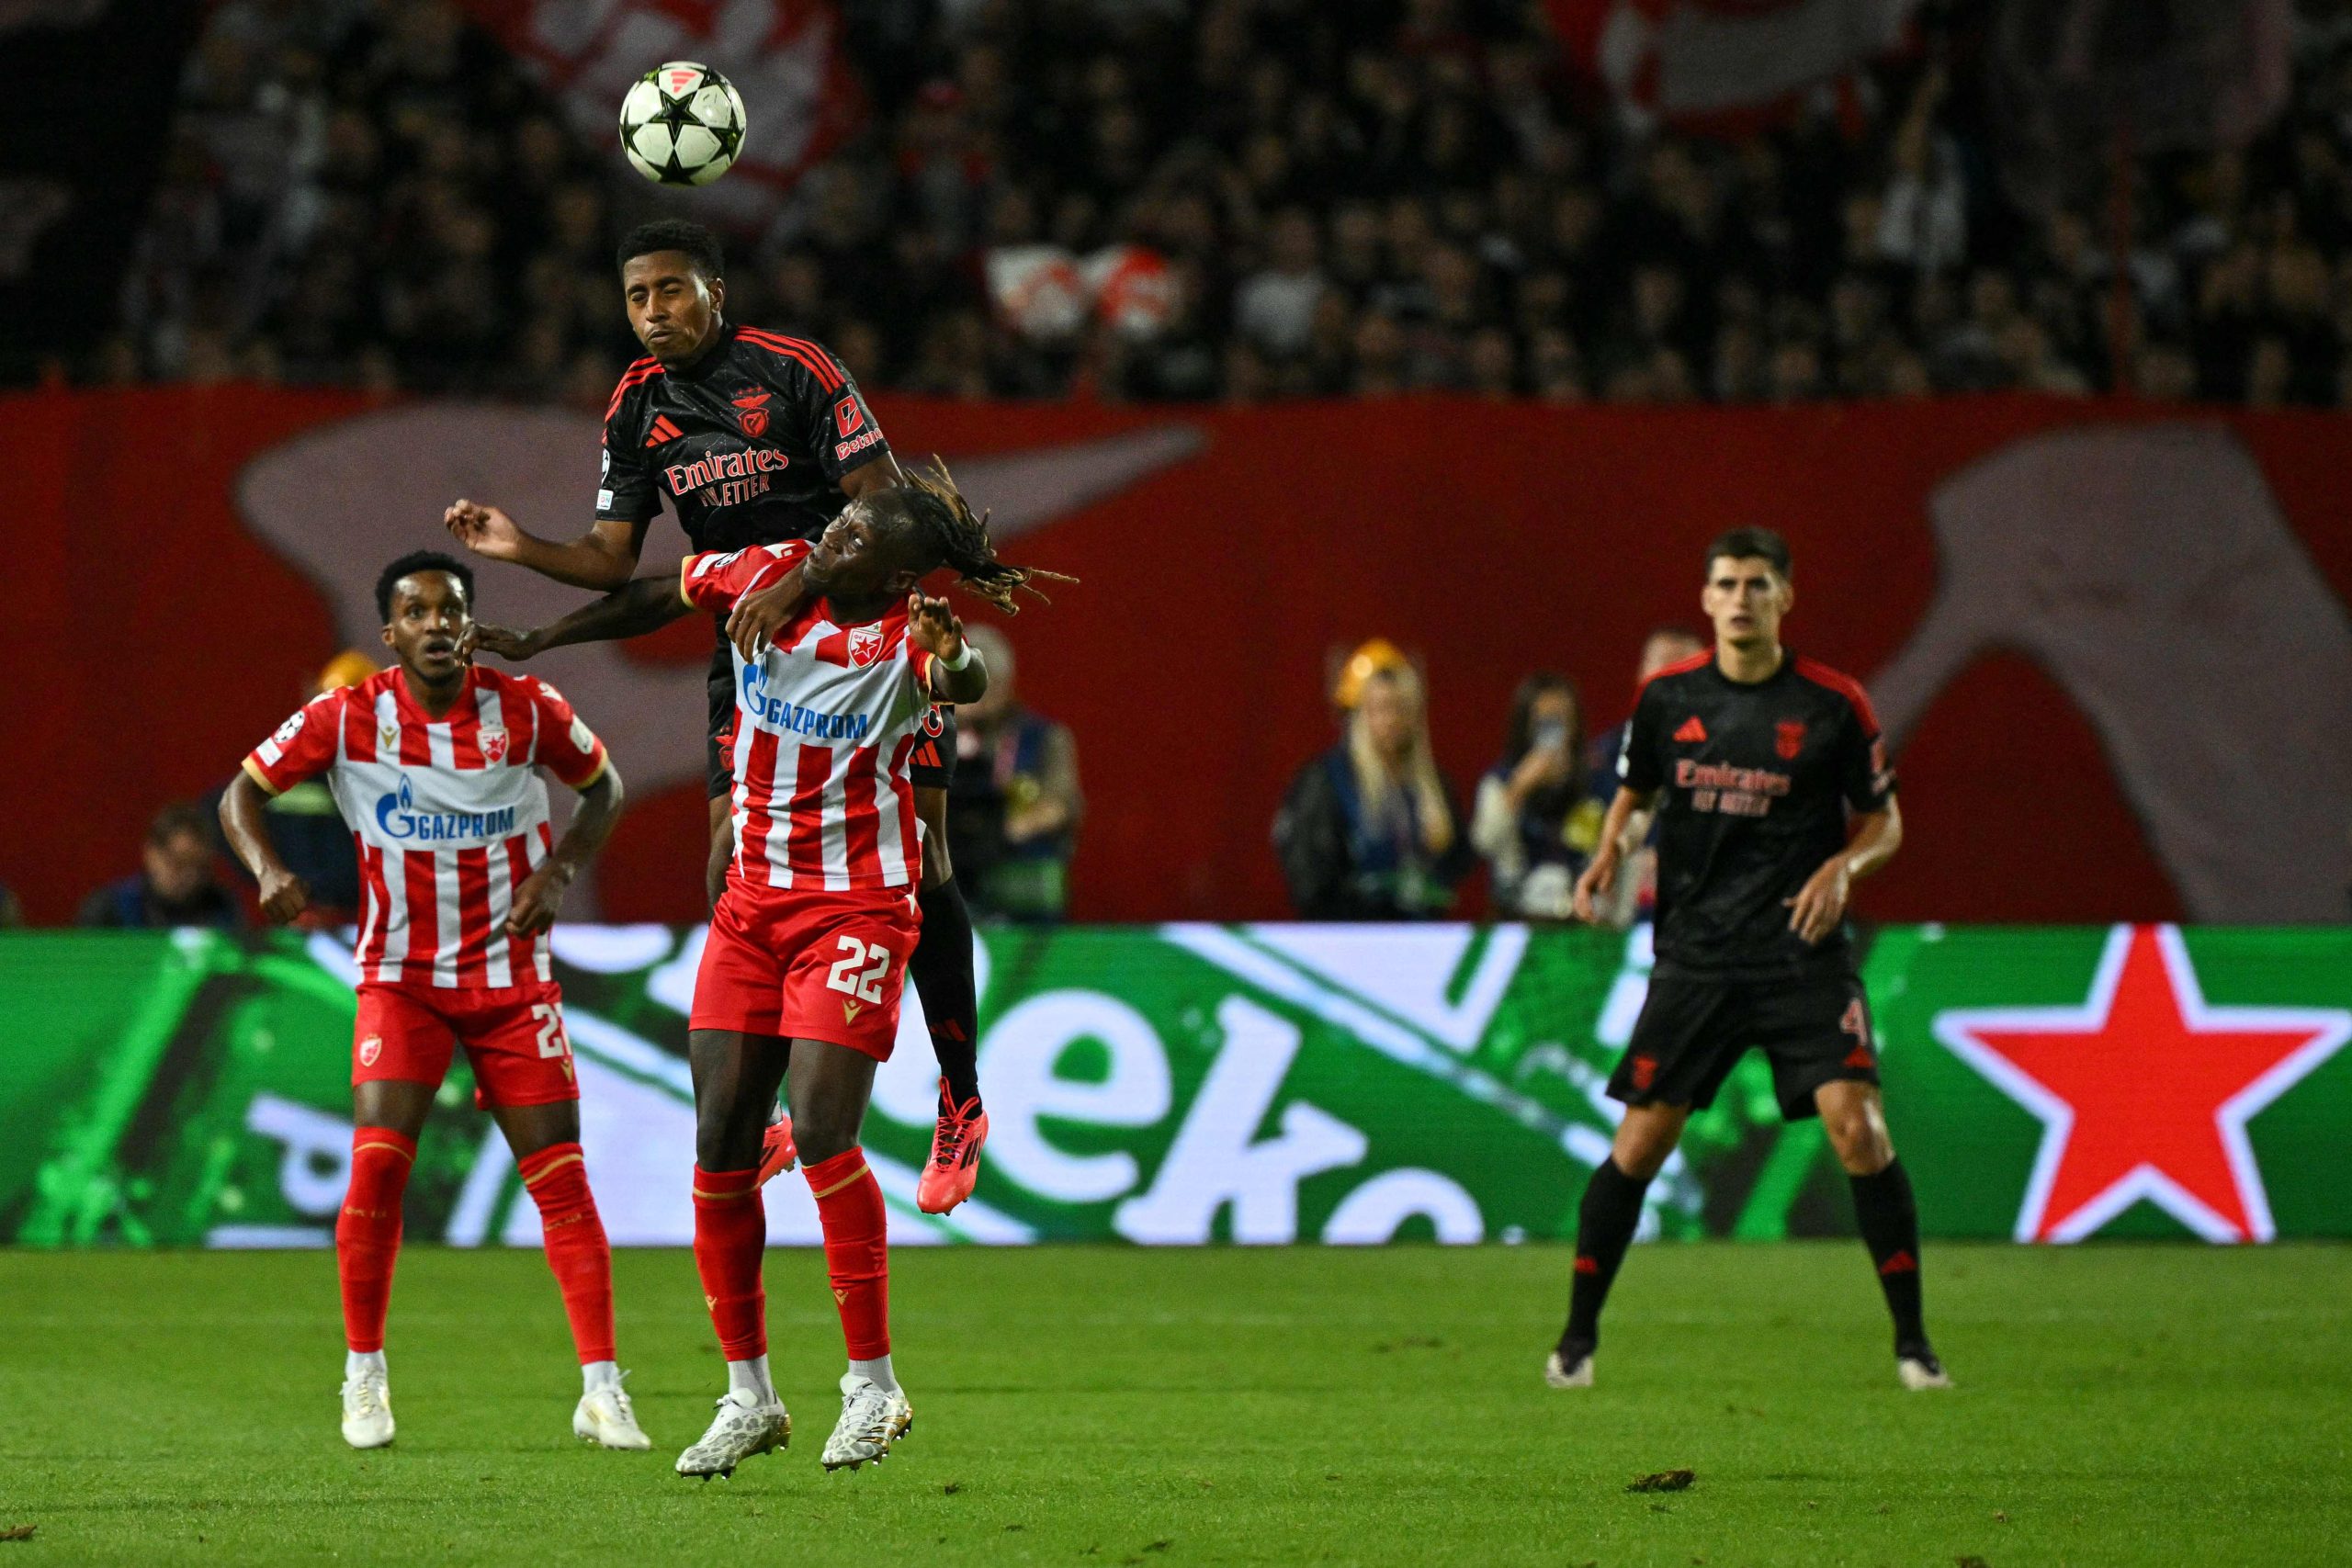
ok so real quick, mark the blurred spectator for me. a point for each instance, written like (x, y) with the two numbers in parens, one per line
(307, 827)
(1362, 200)
(1368, 830)
(12, 911)
(177, 887)
(1534, 821)
(1015, 805)
(1664, 645)
(1637, 883)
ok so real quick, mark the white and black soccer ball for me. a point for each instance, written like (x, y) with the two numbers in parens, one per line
(682, 124)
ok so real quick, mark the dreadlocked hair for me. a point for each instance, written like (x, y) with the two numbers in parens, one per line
(959, 537)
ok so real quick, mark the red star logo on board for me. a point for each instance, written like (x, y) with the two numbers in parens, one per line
(2144, 1091)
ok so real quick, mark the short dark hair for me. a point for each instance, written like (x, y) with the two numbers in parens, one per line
(1749, 543)
(180, 816)
(698, 244)
(415, 562)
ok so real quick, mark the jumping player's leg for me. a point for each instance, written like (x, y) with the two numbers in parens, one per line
(830, 1088)
(736, 1075)
(941, 970)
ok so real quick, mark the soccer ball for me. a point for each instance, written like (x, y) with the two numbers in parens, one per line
(682, 124)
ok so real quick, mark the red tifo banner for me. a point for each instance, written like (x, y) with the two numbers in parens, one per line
(2110, 639)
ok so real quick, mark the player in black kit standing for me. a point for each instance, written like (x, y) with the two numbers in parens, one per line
(757, 438)
(1759, 755)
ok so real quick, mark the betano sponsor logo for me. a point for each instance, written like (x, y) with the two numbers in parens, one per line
(397, 816)
(780, 713)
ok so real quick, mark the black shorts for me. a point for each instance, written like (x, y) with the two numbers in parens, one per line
(931, 767)
(1693, 1033)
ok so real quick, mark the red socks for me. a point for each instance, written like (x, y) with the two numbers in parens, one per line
(857, 1253)
(730, 1231)
(368, 1231)
(577, 1253)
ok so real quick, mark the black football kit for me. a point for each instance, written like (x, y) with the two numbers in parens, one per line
(1754, 782)
(750, 443)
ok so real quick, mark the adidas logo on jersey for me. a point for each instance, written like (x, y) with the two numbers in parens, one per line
(663, 431)
(1692, 730)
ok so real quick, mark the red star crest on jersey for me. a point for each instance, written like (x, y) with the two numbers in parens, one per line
(864, 645)
(755, 416)
(2144, 1091)
(493, 743)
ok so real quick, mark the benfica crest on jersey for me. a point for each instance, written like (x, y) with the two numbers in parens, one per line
(493, 744)
(864, 645)
(1787, 738)
(755, 416)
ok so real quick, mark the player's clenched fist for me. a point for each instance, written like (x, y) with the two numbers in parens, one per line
(284, 895)
(485, 530)
(934, 628)
(538, 899)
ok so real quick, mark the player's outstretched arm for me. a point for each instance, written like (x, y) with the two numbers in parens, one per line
(604, 556)
(283, 894)
(1820, 904)
(958, 674)
(1601, 875)
(644, 605)
(541, 894)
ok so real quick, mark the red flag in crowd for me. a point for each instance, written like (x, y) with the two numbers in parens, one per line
(1723, 62)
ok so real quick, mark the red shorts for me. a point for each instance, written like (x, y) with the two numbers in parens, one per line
(514, 1037)
(807, 966)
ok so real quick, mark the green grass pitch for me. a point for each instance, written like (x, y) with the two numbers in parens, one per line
(2117, 1404)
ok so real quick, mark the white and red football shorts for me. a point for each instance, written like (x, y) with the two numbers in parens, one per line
(513, 1036)
(807, 966)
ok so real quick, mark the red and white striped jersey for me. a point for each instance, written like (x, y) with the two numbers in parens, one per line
(450, 814)
(824, 721)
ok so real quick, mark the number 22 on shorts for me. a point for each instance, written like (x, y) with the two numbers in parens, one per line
(845, 978)
(553, 1041)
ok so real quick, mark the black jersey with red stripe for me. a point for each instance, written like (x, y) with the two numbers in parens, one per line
(1754, 783)
(749, 442)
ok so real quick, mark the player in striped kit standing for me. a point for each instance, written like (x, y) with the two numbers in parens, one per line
(435, 765)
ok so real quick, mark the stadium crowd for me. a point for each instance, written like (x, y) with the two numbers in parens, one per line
(1326, 200)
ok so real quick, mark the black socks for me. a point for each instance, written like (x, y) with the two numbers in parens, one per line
(1605, 1224)
(942, 969)
(1889, 1217)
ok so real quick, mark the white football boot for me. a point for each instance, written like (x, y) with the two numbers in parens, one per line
(367, 1411)
(1560, 1373)
(871, 1421)
(604, 1416)
(1919, 1371)
(743, 1427)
